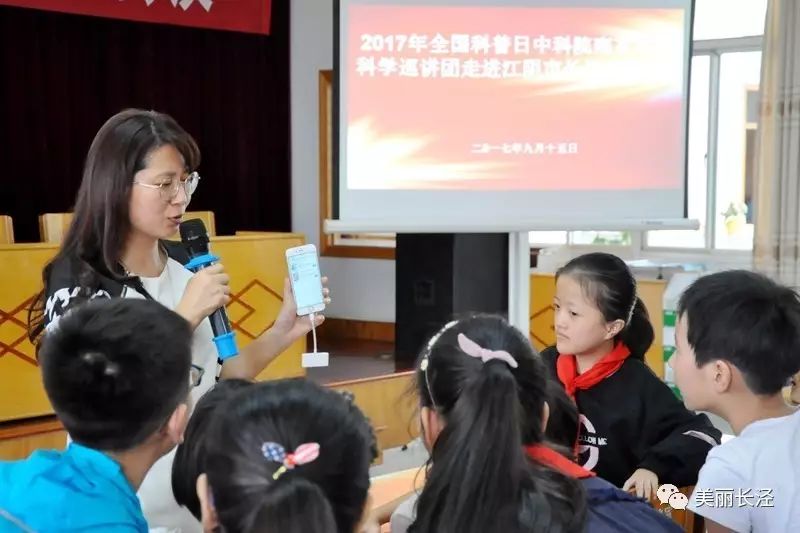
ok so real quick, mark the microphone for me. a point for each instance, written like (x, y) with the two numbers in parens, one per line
(195, 239)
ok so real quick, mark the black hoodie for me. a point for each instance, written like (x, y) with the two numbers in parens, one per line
(632, 420)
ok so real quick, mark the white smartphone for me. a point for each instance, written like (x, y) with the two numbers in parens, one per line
(303, 265)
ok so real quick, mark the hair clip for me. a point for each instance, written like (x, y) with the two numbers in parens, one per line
(473, 349)
(304, 454)
(633, 305)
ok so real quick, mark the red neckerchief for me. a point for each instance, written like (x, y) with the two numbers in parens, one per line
(553, 459)
(567, 369)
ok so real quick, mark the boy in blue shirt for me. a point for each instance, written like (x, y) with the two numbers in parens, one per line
(117, 373)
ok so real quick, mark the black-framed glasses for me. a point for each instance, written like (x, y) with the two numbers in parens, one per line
(169, 189)
(196, 373)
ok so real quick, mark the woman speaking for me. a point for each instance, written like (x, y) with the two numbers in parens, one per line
(139, 177)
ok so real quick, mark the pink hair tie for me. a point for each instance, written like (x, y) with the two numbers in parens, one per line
(473, 349)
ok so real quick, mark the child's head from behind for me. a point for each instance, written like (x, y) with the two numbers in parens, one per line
(248, 447)
(596, 303)
(448, 376)
(190, 456)
(117, 374)
(737, 331)
(482, 390)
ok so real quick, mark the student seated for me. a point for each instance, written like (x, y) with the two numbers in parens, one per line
(635, 433)
(482, 396)
(190, 455)
(286, 456)
(609, 509)
(738, 344)
(117, 373)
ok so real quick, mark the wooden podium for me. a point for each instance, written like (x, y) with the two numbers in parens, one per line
(254, 261)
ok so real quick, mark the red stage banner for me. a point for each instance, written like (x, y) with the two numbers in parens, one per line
(251, 16)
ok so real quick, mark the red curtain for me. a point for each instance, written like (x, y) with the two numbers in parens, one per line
(64, 75)
(252, 16)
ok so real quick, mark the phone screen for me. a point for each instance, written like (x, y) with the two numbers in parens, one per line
(306, 279)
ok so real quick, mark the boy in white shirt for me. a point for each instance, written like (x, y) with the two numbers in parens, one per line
(738, 344)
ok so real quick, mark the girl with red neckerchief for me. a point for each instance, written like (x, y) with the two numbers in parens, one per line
(634, 432)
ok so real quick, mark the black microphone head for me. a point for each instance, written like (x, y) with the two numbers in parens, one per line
(194, 236)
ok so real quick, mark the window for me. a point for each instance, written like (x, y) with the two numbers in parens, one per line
(727, 19)
(549, 238)
(696, 196)
(723, 117)
(738, 116)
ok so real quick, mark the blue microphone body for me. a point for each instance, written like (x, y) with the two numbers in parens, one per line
(195, 239)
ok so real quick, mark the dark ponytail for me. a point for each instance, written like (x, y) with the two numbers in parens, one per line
(638, 333)
(326, 495)
(295, 505)
(609, 283)
(480, 478)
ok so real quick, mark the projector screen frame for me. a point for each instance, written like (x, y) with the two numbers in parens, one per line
(487, 226)
(640, 225)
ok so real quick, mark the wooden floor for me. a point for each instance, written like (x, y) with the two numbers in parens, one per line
(354, 359)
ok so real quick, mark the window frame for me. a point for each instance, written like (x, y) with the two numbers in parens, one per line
(714, 49)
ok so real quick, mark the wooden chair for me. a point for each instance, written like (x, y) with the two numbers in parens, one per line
(6, 230)
(53, 226)
(390, 410)
(208, 220)
(19, 439)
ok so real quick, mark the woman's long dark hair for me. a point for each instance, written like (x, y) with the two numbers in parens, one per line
(480, 479)
(94, 242)
(327, 495)
(609, 283)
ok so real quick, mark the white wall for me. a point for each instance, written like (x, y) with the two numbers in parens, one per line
(363, 289)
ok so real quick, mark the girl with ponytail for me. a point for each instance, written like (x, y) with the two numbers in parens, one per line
(634, 432)
(482, 391)
(286, 457)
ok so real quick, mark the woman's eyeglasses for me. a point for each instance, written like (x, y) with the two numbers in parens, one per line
(196, 375)
(169, 189)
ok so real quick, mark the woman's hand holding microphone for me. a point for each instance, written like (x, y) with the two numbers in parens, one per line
(208, 290)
